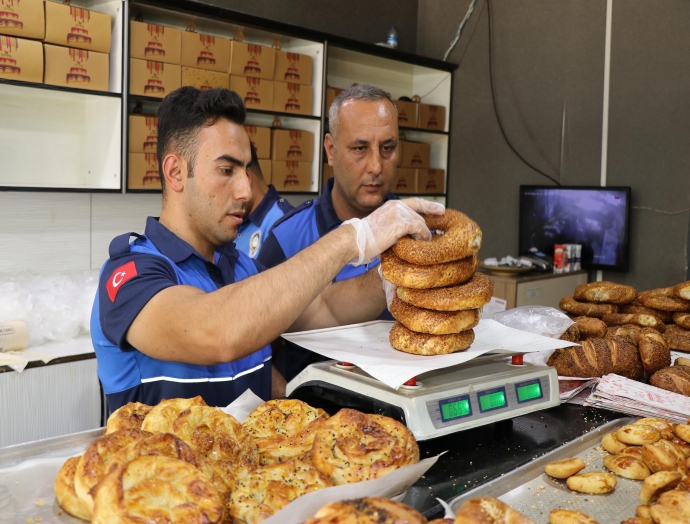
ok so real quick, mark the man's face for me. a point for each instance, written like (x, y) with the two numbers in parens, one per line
(216, 196)
(364, 155)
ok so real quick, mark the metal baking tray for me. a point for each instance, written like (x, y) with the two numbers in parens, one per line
(534, 494)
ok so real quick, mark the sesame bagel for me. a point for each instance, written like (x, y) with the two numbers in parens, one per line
(406, 274)
(682, 320)
(461, 238)
(471, 295)
(433, 322)
(663, 298)
(604, 291)
(572, 306)
(408, 341)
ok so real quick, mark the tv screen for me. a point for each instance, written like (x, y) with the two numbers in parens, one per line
(596, 217)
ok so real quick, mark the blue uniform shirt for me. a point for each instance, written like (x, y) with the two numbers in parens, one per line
(132, 275)
(298, 229)
(257, 225)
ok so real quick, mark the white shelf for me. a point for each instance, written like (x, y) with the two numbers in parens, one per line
(57, 139)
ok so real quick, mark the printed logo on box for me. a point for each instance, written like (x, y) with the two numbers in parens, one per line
(8, 18)
(252, 97)
(292, 103)
(401, 184)
(292, 72)
(151, 175)
(152, 139)
(402, 116)
(154, 84)
(154, 47)
(78, 73)
(206, 57)
(252, 67)
(295, 150)
(291, 179)
(121, 275)
(431, 180)
(416, 159)
(79, 34)
(432, 121)
(8, 65)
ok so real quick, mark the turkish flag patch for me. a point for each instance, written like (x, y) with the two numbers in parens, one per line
(121, 275)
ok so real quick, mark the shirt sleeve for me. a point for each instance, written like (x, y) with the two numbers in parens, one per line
(271, 253)
(126, 285)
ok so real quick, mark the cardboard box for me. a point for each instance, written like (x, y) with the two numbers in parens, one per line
(257, 93)
(154, 42)
(404, 181)
(252, 60)
(65, 66)
(147, 78)
(261, 138)
(77, 27)
(266, 166)
(21, 59)
(143, 133)
(292, 98)
(25, 19)
(331, 93)
(407, 113)
(293, 68)
(416, 154)
(205, 52)
(431, 181)
(327, 174)
(204, 79)
(431, 117)
(143, 171)
(399, 151)
(292, 144)
(288, 176)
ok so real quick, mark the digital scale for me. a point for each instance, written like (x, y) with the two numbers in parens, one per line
(486, 390)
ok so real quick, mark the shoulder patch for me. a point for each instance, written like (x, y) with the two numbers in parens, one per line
(121, 275)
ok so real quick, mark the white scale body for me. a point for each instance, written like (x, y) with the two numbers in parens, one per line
(483, 391)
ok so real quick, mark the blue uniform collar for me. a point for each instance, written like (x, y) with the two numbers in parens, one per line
(326, 218)
(176, 249)
(270, 198)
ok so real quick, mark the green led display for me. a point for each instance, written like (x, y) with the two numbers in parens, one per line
(492, 400)
(529, 392)
(461, 408)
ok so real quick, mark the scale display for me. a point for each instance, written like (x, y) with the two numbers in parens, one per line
(455, 408)
(495, 399)
(527, 391)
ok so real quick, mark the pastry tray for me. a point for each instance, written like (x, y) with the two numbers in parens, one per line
(534, 494)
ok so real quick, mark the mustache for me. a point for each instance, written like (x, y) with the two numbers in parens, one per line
(237, 208)
(375, 180)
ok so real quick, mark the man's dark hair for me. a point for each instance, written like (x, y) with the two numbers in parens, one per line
(184, 112)
(255, 167)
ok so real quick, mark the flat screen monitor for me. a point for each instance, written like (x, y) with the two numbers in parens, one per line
(598, 218)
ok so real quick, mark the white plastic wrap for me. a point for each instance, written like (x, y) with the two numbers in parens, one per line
(55, 307)
(539, 320)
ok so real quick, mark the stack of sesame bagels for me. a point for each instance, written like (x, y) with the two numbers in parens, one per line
(654, 321)
(439, 295)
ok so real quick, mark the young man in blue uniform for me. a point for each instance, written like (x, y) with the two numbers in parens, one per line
(263, 209)
(179, 311)
(362, 148)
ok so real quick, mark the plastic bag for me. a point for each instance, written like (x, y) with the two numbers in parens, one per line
(54, 307)
(540, 320)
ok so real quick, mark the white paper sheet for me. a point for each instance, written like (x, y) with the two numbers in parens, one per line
(367, 346)
(18, 360)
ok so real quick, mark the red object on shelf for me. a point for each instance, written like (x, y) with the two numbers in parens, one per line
(347, 364)
(517, 360)
(411, 382)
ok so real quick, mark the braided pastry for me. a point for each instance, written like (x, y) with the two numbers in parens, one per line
(433, 322)
(283, 429)
(65, 494)
(406, 274)
(409, 341)
(604, 291)
(352, 446)
(462, 238)
(664, 299)
(161, 417)
(572, 306)
(471, 295)
(157, 489)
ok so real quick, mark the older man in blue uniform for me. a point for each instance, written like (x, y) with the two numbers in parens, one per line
(362, 148)
(180, 311)
(263, 210)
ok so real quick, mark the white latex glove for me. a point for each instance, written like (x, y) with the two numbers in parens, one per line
(389, 223)
(390, 289)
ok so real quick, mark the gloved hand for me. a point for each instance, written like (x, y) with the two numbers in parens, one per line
(389, 223)
(390, 289)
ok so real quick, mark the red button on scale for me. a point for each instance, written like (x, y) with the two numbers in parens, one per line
(517, 360)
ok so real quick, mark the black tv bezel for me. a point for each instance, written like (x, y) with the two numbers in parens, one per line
(624, 267)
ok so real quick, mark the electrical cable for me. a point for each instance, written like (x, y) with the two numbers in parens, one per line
(661, 211)
(493, 98)
(460, 28)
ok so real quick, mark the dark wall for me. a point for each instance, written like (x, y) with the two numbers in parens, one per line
(550, 55)
(361, 20)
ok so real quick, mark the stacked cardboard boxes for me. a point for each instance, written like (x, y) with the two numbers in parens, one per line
(292, 153)
(154, 59)
(251, 74)
(261, 139)
(205, 61)
(143, 163)
(21, 58)
(414, 174)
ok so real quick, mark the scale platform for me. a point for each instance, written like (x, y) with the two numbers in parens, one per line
(483, 391)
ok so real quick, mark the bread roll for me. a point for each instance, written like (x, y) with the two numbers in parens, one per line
(611, 444)
(590, 327)
(677, 498)
(682, 290)
(596, 482)
(564, 468)
(642, 320)
(638, 435)
(487, 510)
(627, 467)
(657, 483)
(681, 361)
(637, 520)
(677, 338)
(682, 431)
(569, 516)
(572, 306)
(597, 357)
(663, 426)
(682, 320)
(662, 456)
(643, 511)
(638, 309)
(572, 334)
(665, 514)
(65, 494)
(629, 331)
(632, 451)
(675, 379)
(368, 510)
(604, 291)
(654, 352)
(130, 415)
